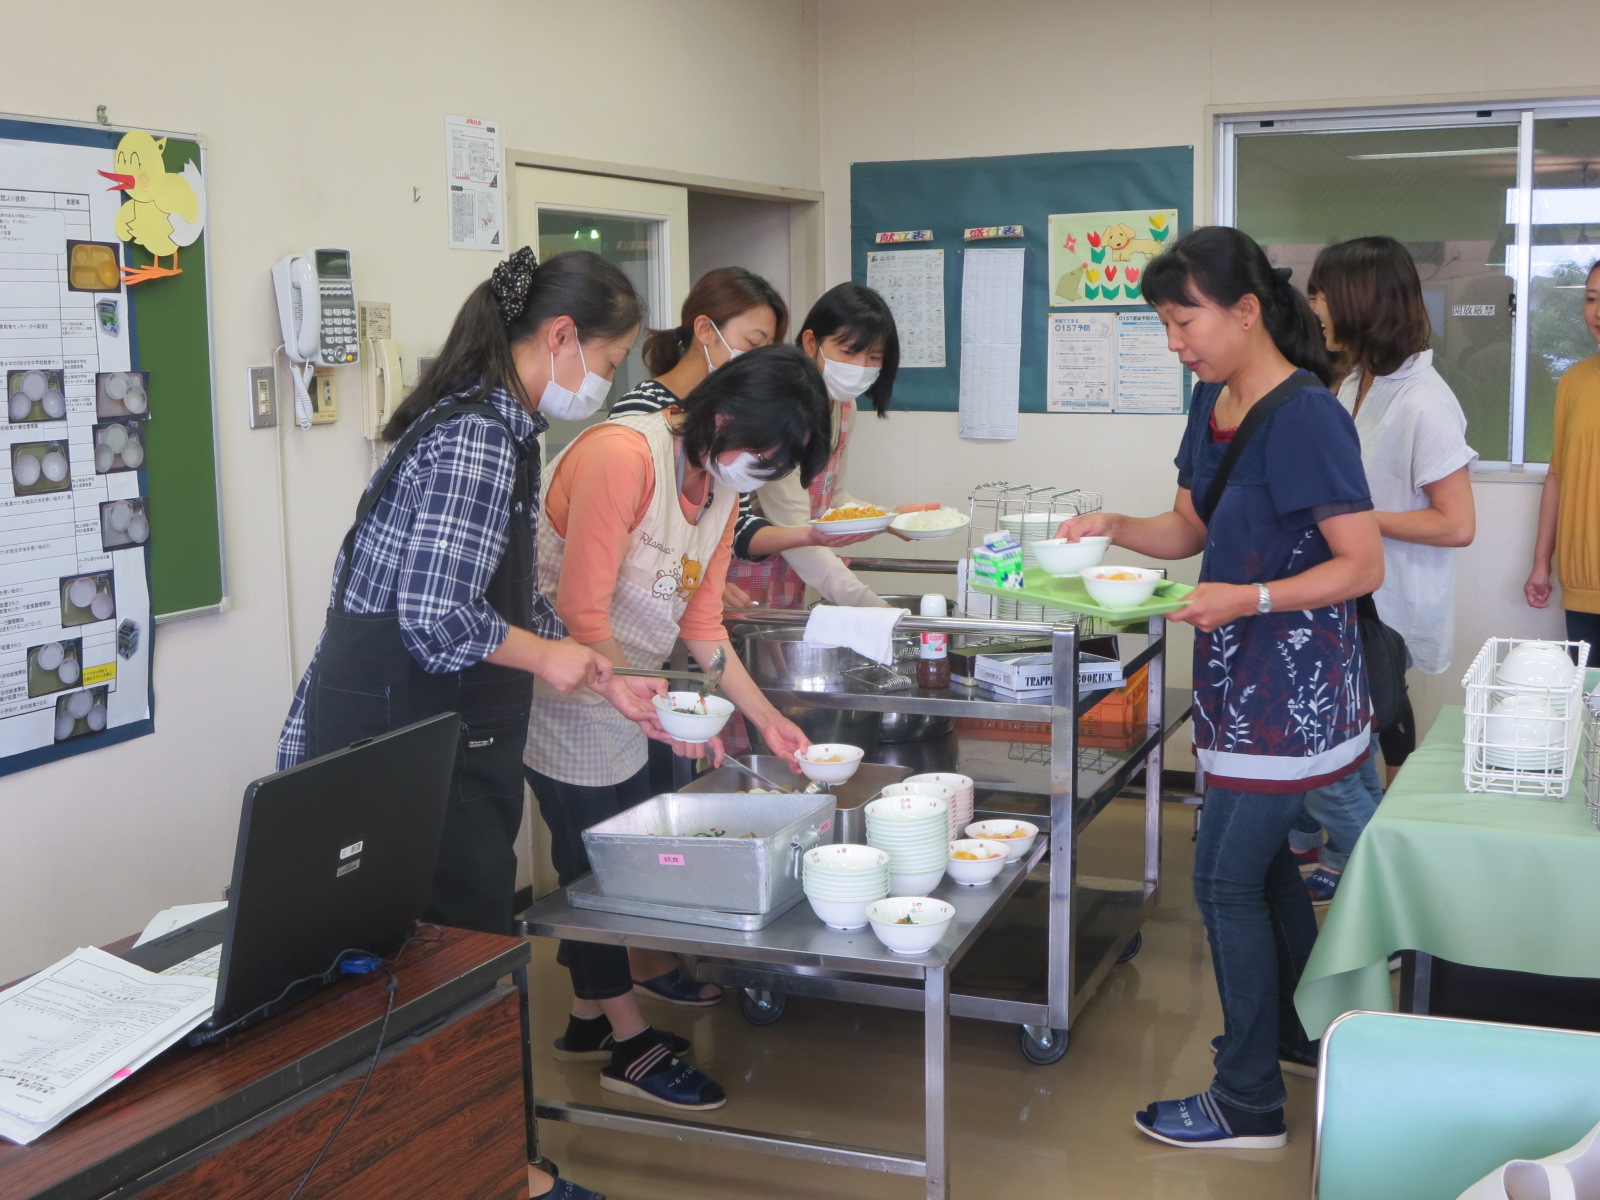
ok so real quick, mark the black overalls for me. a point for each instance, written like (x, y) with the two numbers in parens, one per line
(365, 682)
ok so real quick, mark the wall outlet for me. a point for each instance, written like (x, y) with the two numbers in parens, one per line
(263, 398)
(324, 397)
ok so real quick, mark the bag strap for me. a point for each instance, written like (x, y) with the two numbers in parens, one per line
(1259, 412)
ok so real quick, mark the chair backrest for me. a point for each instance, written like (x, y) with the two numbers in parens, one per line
(1421, 1107)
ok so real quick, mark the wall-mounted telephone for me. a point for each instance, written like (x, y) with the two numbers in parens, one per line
(381, 390)
(317, 306)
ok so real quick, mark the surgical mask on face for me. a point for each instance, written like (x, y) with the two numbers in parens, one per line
(563, 404)
(706, 350)
(845, 381)
(741, 475)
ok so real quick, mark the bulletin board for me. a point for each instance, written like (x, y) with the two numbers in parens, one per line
(944, 197)
(108, 477)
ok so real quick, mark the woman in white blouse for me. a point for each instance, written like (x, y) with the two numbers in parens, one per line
(1368, 296)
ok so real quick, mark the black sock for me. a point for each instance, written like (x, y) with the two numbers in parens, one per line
(1243, 1123)
(587, 1033)
(648, 1052)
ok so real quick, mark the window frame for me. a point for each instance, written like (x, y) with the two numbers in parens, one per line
(1228, 127)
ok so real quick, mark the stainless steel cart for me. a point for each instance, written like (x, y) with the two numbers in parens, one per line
(1091, 923)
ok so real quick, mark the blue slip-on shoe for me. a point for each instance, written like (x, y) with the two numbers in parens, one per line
(1198, 1123)
(679, 1086)
(1289, 1064)
(1321, 885)
(565, 1189)
(675, 989)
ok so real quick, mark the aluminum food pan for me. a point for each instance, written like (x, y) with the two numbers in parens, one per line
(584, 893)
(650, 852)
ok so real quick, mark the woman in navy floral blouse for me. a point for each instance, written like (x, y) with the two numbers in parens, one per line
(1280, 691)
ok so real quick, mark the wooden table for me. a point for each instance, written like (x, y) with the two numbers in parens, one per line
(444, 1116)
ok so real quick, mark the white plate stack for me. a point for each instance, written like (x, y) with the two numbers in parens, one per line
(960, 800)
(1028, 528)
(915, 831)
(842, 880)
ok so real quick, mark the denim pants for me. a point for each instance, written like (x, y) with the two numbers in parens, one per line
(1260, 925)
(1343, 809)
(598, 972)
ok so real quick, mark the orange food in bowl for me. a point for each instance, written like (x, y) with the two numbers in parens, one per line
(853, 512)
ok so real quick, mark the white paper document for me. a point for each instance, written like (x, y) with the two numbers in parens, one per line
(81, 1026)
(177, 917)
(1149, 376)
(912, 283)
(991, 343)
(1081, 367)
(1112, 362)
(472, 181)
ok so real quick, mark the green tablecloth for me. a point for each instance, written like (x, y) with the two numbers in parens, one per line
(1486, 880)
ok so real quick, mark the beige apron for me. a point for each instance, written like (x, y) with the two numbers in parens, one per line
(582, 739)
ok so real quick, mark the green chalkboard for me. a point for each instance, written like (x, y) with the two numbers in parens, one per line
(952, 194)
(169, 324)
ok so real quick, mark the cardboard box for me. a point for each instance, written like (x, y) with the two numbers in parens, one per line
(964, 654)
(1033, 675)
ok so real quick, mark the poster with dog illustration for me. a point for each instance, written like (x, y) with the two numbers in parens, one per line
(1099, 258)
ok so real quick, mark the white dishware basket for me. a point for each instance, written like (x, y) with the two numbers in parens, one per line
(1591, 754)
(1542, 766)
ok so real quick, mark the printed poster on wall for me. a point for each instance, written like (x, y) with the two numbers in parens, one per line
(1099, 258)
(1111, 362)
(472, 177)
(911, 282)
(74, 513)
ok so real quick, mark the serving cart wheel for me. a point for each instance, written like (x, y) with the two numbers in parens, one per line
(1042, 1045)
(760, 1006)
(1131, 950)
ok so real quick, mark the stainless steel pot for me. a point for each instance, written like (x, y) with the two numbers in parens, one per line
(782, 658)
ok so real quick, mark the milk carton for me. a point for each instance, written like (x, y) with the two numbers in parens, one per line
(998, 562)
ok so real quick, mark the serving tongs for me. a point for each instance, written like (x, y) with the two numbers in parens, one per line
(815, 788)
(706, 683)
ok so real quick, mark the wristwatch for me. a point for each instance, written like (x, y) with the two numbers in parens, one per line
(1264, 604)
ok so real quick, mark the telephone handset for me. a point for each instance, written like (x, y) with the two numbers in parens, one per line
(317, 307)
(381, 389)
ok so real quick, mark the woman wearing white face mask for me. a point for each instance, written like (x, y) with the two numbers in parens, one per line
(850, 334)
(636, 536)
(434, 606)
(728, 311)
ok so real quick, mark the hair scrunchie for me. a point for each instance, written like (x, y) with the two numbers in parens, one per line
(511, 280)
(1282, 274)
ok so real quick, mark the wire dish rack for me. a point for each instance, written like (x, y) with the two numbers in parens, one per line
(1522, 740)
(1591, 755)
(1029, 514)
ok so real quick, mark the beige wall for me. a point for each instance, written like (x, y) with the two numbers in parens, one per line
(303, 155)
(921, 79)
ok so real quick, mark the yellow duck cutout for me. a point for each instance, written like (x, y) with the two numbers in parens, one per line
(164, 211)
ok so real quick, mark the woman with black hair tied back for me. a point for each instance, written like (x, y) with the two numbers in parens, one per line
(434, 606)
(1280, 694)
(634, 545)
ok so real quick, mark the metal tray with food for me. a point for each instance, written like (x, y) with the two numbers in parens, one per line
(715, 850)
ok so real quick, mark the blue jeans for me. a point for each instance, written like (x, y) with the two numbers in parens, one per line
(1344, 808)
(1258, 919)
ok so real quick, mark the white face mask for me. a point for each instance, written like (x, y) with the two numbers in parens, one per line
(562, 404)
(706, 350)
(846, 381)
(741, 474)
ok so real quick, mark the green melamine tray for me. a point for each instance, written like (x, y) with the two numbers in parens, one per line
(1039, 587)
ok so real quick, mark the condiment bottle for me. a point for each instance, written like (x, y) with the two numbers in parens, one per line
(933, 658)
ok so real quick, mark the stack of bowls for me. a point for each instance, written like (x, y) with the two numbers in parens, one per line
(842, 881)
(960, 802)
(915, 831)
(907, 787)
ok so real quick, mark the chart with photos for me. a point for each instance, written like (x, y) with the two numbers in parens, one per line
(75, 517)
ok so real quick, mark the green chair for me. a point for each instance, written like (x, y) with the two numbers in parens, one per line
(1420, 1108)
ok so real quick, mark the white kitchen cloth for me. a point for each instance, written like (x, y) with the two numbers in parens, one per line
(867, 631)
(1572, 1174)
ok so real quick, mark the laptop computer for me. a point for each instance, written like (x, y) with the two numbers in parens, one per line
(337, 853)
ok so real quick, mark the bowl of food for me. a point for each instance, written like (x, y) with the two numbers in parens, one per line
(830, 762)
(910, 924)
(1016, 836)
(854, 518)
(977, 861)
(1065, 559)
(1120, 587)
(929, 523)
(691, 717)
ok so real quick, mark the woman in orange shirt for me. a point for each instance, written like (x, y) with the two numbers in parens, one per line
(1569, 508)
(634, 547)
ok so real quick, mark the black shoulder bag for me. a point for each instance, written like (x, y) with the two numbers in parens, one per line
(1382, 647)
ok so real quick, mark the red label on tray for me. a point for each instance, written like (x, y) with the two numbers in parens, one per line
(671, 860)
(825, 826)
